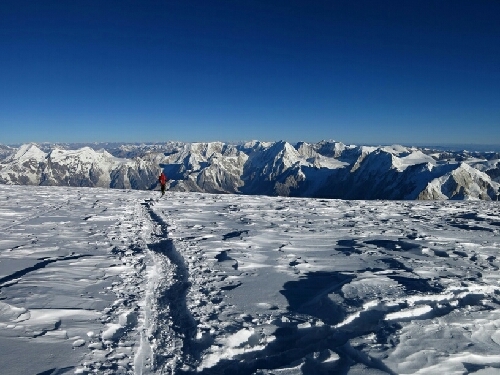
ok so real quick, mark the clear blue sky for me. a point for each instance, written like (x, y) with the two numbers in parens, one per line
(362, 72)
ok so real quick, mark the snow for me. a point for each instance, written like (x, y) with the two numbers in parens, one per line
(96, 281)
(28, 152)
(416, 157)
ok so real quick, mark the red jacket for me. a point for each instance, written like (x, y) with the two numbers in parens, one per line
(163, 179)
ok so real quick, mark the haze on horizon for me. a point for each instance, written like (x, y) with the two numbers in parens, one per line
(383, 72)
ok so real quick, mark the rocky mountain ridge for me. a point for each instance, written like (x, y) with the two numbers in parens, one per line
(327, 169)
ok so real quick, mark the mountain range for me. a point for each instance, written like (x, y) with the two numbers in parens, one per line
(327, 169)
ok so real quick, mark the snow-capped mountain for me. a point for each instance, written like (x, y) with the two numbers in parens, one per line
(29, 165)
(327, 169)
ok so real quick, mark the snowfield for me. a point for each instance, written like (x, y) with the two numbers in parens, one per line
(99, 281)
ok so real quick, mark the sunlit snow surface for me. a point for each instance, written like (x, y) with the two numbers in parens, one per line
(121, 282)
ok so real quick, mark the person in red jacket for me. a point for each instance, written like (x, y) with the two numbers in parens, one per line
(163, 182)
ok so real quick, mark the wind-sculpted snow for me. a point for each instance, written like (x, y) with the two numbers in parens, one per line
(72, 265)
(327, 169)
(326, 287)
(98, 281)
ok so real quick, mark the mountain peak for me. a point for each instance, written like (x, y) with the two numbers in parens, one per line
(327, 169)
(29, 151)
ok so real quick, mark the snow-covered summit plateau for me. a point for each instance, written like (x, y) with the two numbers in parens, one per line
(327, 169)
(101, 281)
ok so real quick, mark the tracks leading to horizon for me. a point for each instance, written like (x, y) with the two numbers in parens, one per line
(174, 325)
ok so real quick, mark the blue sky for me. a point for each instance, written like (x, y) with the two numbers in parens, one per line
(362, 72)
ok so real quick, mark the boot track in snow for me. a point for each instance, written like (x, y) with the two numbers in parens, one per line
(174, 325)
